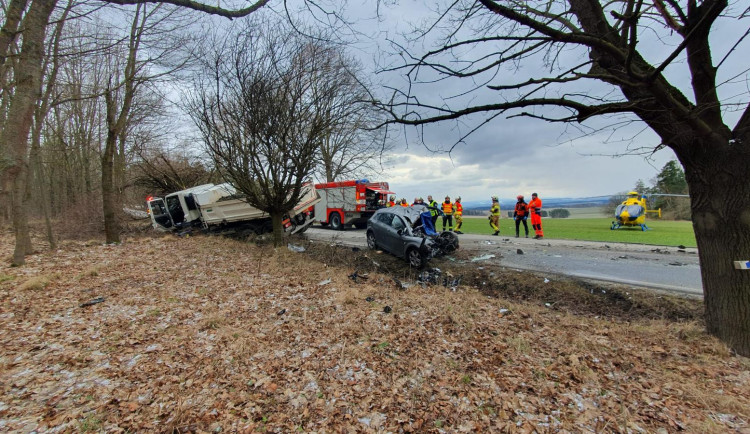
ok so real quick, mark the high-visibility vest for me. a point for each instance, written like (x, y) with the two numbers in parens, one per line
(433, 204)
(447, 208)
(495, 210)
(391, 203)
(459, 208)
(404, 204)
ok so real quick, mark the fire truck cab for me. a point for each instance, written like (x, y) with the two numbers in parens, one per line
(349, 203)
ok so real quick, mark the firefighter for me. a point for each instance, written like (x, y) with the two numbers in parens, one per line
(391, 202)
(535, 208)
(403, 202)
(521, 214)
(434, 209)
(448, 213)
(494, 216)
(459, 214)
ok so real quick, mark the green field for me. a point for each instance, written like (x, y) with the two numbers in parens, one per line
(662, 232)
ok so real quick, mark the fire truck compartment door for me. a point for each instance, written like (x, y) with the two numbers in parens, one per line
(380, 191)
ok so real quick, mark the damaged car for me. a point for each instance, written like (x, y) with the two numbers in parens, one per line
(408, 232)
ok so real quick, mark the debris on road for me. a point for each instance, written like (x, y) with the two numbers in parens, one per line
(295, 248)
(400, 284)
(519, 252)
(324, 282)
(354, 276)
(483, 257)
(92, 302)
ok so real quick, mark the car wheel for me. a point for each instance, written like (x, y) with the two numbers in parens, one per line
(371, 243)
(415, 258)
(335, 221)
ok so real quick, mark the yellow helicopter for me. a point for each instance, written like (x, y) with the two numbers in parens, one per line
(632, 212)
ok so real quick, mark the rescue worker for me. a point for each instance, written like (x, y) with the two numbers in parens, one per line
(494, 216)
(433, 209)
(391, 202)
(535, 208)
(448, 213)
(459, 214)
(416, 201)
(521, 214)
(403, 202)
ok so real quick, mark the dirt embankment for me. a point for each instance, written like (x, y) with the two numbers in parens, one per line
(204, 334)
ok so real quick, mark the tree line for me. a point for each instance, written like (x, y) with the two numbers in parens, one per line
(91, 97)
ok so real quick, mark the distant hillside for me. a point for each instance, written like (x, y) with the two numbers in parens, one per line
(554, 202)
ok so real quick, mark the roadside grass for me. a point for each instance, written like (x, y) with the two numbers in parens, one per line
(662, 232)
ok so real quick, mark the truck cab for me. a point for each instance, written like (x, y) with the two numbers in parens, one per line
(177, 210)
(221, 208)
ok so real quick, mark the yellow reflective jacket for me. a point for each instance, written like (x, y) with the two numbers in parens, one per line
(495, 210)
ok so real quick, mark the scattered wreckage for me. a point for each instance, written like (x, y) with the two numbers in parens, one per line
(408, 232)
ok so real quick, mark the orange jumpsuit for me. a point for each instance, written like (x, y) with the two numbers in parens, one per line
(535, 208)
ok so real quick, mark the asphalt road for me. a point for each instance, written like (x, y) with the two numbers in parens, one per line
(658, 267)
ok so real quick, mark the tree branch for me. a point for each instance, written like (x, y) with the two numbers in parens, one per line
(198, 6)
(584, 111)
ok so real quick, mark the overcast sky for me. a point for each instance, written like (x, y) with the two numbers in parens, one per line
(514, 156)
(507, 157)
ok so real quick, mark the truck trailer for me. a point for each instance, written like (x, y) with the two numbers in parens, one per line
(348, 203)
(220, 208)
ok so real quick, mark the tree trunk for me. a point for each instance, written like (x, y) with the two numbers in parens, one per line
(20, 218)
(15, 134)
(720, 202)
(278, 229)
(109, 193)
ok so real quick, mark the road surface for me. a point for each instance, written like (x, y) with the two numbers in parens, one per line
(659, 267)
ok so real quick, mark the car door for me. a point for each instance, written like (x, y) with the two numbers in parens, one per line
(160, 218)
(400, 231)
(385, 234)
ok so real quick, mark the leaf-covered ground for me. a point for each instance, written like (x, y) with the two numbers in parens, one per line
(206, 334)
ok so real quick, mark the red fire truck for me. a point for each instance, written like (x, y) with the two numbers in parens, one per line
(349, 203)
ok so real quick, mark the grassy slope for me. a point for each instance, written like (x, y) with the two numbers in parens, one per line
(663, 233)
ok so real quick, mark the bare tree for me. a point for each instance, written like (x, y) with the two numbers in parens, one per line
(616, 78)
(25, 24)
(352, 146)
(257, 111)
(161, 172)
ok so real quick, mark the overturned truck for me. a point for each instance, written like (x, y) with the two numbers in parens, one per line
(221, 209)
